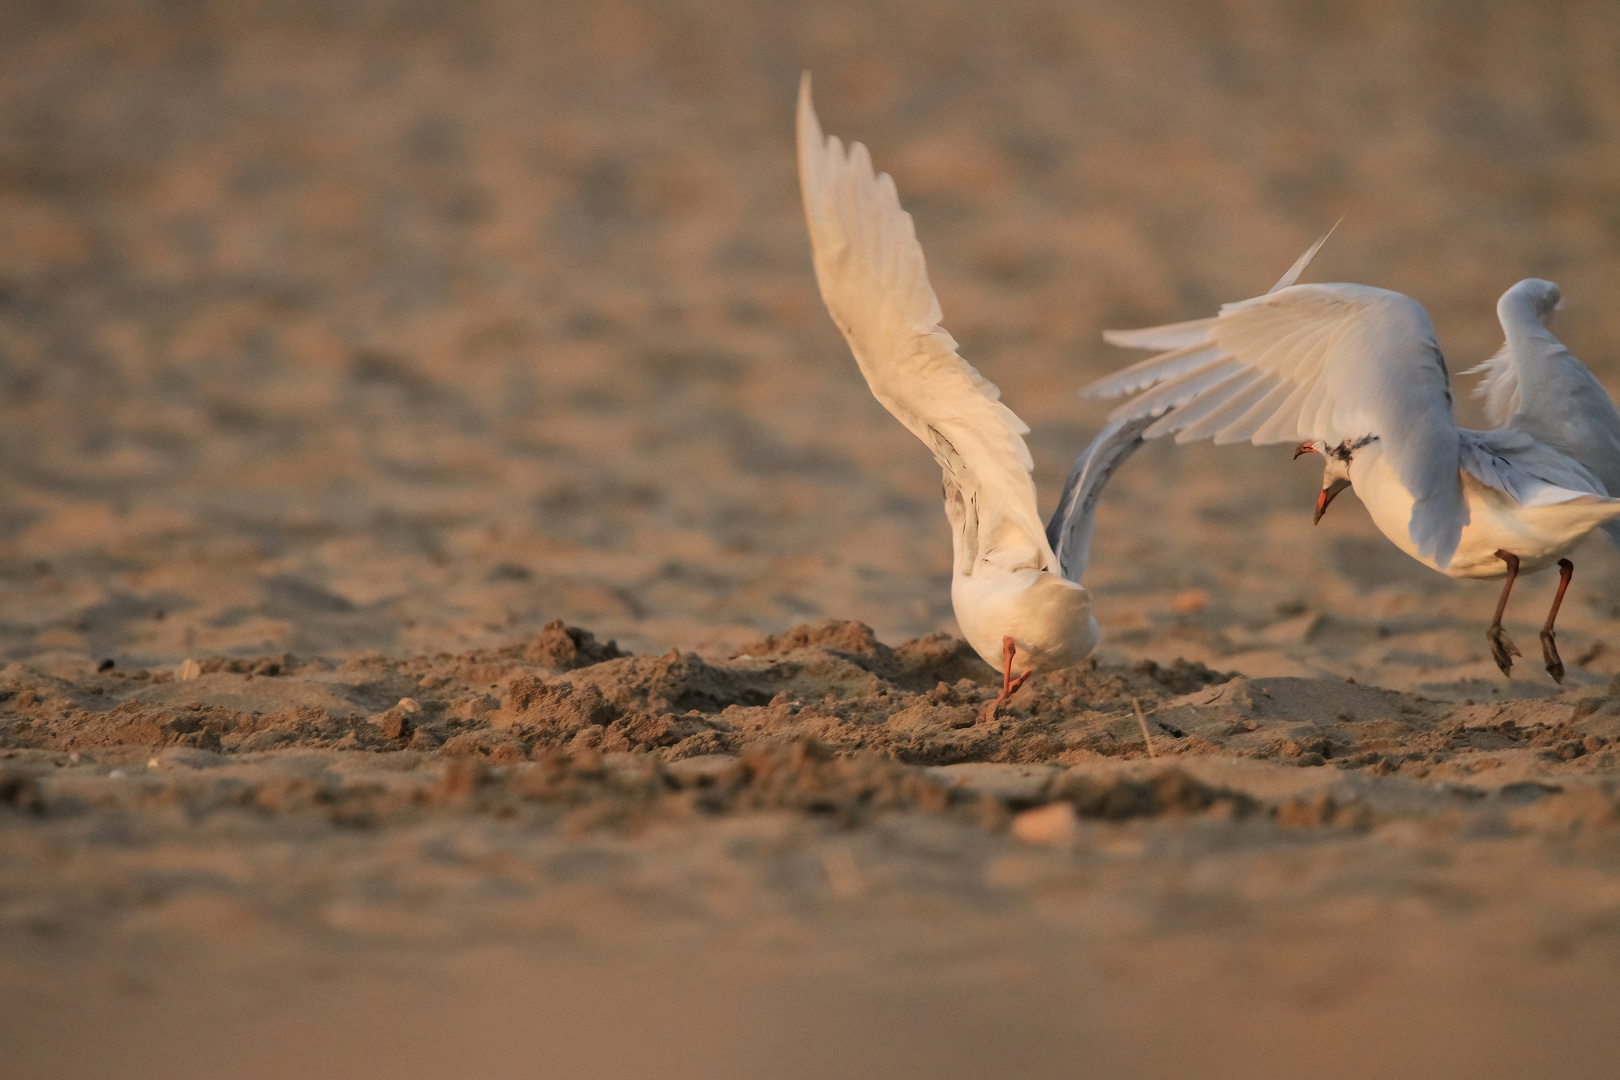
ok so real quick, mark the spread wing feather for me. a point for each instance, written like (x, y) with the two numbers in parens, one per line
(875, 283)
(1330, 362)
(1188, 341)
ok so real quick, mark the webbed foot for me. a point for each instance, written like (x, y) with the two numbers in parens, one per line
(1549, 653)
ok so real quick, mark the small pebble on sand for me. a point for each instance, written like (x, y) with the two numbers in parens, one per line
(1052, 825)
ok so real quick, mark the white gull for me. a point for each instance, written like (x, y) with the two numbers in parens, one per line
(1356, 373)
(1014, 587)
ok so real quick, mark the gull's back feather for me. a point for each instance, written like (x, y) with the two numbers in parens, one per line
(1527, 470)
(1498, 386)
(874, 281)
(1334, 363)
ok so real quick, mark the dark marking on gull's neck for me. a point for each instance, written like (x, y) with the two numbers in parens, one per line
(1346, 449)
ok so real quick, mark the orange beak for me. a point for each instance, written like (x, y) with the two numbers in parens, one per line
(1326, 496)
(1304, 448)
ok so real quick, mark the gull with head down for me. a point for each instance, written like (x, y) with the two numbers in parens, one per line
(1015, 585)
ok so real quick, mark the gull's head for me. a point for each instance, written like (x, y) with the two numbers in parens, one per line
(1542, 297)
(1049, 618)
(1335, 471)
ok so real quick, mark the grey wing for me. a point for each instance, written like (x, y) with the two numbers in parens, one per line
(1536, 385)
(1528, 470)
(1069, 531)
(1531, 471)
(1334, 363)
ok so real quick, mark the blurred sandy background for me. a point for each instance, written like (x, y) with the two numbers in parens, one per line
(408, 326)
(360, 329)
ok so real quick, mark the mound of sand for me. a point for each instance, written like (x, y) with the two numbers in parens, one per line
(665, 804)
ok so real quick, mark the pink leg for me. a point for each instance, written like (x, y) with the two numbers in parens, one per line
(1009, 685)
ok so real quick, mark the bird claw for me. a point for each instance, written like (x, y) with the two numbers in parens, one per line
(1009, 686)
(1549, 653)
(1502, 649)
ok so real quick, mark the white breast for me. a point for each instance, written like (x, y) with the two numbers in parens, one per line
(1538, 535)
(1048, 618)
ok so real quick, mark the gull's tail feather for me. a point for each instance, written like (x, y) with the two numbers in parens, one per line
(1069, 531)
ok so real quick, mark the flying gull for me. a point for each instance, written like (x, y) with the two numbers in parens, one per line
(1356, 373)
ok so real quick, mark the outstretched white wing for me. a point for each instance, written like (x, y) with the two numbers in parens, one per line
(1336, 363)
(875, 284)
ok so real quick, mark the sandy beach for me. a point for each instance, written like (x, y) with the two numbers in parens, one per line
(463, 612)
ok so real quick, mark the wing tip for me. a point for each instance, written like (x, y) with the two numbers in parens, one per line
(1304, 260)
(809, 125)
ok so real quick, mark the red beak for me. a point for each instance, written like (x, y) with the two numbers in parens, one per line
(1326, 496)
(1304, 448)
